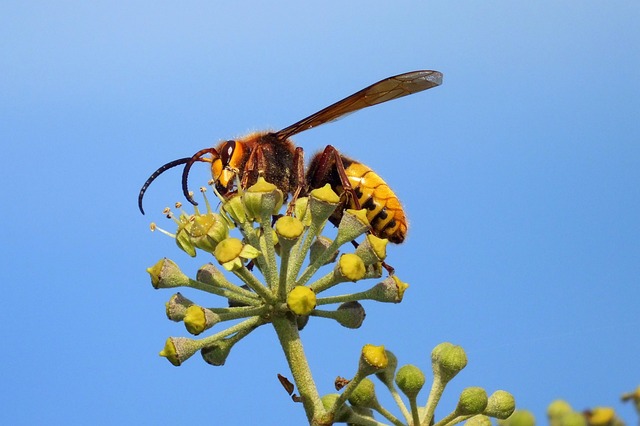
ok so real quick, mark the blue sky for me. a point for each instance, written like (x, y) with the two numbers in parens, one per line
(519, 175)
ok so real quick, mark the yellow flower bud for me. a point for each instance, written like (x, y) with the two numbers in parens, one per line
(351, 267)
(373, 358)
(289, 227)
(301, 300)
(326, 194)
(227, 250)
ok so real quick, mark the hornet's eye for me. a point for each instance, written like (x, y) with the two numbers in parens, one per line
(226, 153)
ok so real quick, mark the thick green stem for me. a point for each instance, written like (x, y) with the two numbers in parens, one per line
(287, 331)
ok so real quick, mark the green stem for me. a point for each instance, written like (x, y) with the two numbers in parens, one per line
(414, 409)
(254, 284)
(287, 331)
(251, 323)
(229, 294)
(437, 388)
(227, 314)
(400, 403)
(271, 273)
(329, 300)
(318, 262)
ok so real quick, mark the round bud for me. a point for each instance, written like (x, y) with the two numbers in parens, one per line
(364, 395)
(301, 300)
(479, 420)
(447, 360)
(520, 418)
(351, 267)
(410, 380)
(473, 400)
(501, 405)
(557, 410)
(289, 227)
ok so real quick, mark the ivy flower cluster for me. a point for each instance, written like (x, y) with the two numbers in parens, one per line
(277, 264)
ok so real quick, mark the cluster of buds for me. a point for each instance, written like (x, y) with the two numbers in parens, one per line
(358, 401)
(287, 252)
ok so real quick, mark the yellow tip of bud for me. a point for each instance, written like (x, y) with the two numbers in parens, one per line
(361, 215)
(301, 300)
(352, 267)
(601, 416)
(289, 227)
(262, 186)
(195, 320)
(325, 194)
(374, 356)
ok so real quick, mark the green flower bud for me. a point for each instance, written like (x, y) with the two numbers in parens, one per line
(166, 274)
(389, 290)
(572, 419)
(473, 400)
(350, 314)
(373, 249)
(301, 321)
(178, 349)
(387, 375)
(217, 353)
(410, 380)
(353, 224)
(344, 412)
(519, 418)
(319, 246)
(351, 267)
(501, 405)
(262, 199)
(479, 420)
(177, 306)
(372, 359)
(301, 300)
(558, 409)
(198, 319)
(447, 360)
(322, 203)
(364, 395)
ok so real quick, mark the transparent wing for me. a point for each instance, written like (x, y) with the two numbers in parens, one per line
(385, 90)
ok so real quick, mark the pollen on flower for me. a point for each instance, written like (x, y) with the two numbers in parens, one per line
(178, 205)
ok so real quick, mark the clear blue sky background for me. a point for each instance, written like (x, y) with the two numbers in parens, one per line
(520, 176)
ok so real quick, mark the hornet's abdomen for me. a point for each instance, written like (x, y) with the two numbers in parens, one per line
(384, 210)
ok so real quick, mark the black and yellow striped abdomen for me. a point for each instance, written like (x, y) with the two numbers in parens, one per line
(384, 210)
